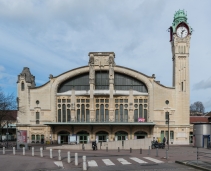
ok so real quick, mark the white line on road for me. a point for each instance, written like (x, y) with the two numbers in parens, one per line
(108, 162)
(92, 163)
(59, 164)
(154, 160)
(137, 160)
(123, 161)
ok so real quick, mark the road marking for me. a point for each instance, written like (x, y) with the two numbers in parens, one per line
(92, 163)
(137, 160)
(123, 161)
(59, 164)
(108, 162)
(154, 160)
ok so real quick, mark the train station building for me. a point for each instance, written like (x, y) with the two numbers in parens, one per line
(106, 102)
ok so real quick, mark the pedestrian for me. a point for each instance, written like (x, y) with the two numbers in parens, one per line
(164, 140)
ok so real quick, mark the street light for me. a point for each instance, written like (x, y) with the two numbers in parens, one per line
(167, 115)
(7, 134)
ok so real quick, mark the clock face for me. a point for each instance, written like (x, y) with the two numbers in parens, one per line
(182, 32)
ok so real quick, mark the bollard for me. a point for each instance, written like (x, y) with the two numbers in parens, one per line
(32, 151)
(149, 151)
(68, 157)
(156, 152)
(13, 150)
(84, 163)
(118, 149)
(166, 154)
(59, 154)
(76, 159)
(107, 149)
(130, 150)
(3, 150)
(41, 152)
(23, 151)
(140, 151)
(51, 156)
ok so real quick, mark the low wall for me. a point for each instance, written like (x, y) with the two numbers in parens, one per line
(127, 144)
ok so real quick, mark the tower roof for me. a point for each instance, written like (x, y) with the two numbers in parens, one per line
(179, 17)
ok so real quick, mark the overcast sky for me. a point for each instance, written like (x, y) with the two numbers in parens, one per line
(54, 36)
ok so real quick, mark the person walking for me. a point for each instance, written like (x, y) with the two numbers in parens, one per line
(164, 140)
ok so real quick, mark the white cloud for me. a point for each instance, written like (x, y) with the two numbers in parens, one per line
(204, 84)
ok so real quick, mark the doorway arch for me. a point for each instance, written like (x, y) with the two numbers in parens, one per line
(63, 137)
(121, 135)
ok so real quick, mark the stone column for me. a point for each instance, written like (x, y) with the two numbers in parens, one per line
(111, 87)
(92, 87)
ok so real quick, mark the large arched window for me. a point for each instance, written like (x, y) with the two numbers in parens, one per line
(125, 82)
(79, 82)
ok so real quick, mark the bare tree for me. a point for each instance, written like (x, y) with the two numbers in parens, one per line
(197, 108)
(7, 107)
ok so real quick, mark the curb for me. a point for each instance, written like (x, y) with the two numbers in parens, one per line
(194, 166)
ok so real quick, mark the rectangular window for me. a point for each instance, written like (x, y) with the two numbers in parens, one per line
(116, 115)
(101, 100)
(87, 100)
(126, 115)
(140, 111)
(87, 115)
(167, 117)
(78, 100)
(107, 100)
(181, 86)
(63, 113)
(102, 112)
(82, 100)
(145, 115)
(135, 100)
(97, 115)
(63, 100)
(126, 100)
(136, 115)
(78, 115)
(37, 115)
(116, 100)
(121, 100)
(171, 135)
(97, 100)
(140, 100)
(68, 100)
(59, 115)
(107, 115)
(68, 115)
(59, 100)
(145, 100)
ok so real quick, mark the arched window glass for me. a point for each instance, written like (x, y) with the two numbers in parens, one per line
(22, 86)
(63, 113)
(59, 115)
(125, 82)
(79, 82)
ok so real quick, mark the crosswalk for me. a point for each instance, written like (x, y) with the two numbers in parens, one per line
(108, 162)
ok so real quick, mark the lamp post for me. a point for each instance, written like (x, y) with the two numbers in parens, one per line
(7, 134)
(167, 114)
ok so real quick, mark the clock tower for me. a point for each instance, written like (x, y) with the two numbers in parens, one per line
(180, 34)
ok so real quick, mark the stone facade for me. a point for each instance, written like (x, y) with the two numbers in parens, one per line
(107, 102)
